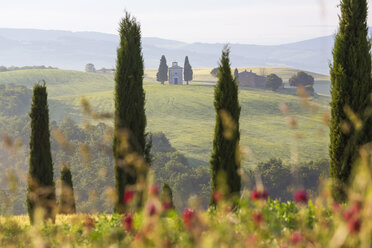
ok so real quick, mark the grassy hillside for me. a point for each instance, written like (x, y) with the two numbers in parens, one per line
(60, 82)
(186, 113)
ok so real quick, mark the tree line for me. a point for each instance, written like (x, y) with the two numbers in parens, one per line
(15, 68)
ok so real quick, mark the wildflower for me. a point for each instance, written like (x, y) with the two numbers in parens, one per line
(259, 195)
(188, 216)
(128, 222)
(128, 196)
(353, 211)
(255, 195)
(257, 218)
(166, 205)
(301, 196)
(89, 223)
(264, 194)
(217, 196)
(348, 214)
(296, 238)
(356, 207)
(336, 207)
(154, 190)
(354, 225)
(151, 209)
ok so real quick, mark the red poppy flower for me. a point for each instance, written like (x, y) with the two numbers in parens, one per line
(128, 222)
(259, 194)
(151, 209)
(154, 190)
(257, 218)
(217, 196)
(301, 196)
(336, 207)
(296, 238)
(188, 216)
(128, 196)
(89, 223)
(167, 205)
(348, 214)
(354, 225)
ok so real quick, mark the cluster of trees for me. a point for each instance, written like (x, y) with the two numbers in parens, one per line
(281, 180)
(273, 82)
(15, 68)
(90, 68)
(162, 74)
(302, 79)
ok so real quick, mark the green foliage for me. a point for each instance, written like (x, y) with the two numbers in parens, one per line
(214, 72)
(14, 100)
(280, 180)
(162, 74)
(15, 68)
(173, 169)
(351, 88)
(167, 195)
(67, 197)
(187, 70)
(130, 118)
(41, 189)
(224, 159)
(273, 82)
(276, 178)
(160, 143)
(303, 79)
(90, 68)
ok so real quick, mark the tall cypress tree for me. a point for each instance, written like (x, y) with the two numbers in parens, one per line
(167, 195)
(236, 73)
(351, 86)
(162, 74)
(129, 146)
(41, 188)
(188, 73)
(67, 198)
(224, 160)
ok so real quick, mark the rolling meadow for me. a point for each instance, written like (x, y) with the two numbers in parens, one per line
(186, 114)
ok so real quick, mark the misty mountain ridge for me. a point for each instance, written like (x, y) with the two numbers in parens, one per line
(73, 50)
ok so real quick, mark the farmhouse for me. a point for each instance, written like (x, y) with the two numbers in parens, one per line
(175, 74)
(251, 79)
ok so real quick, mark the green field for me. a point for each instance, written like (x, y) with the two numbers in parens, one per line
(186, 113)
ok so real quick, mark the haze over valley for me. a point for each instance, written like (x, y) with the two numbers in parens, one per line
(73, 50)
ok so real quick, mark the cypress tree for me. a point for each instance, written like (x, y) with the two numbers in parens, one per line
(162, 74)
(224, 160)
(351, 87)
(67, 198)
(187, 73)
(129, 146)
(41, 188)
(167, 195)
(236, 73)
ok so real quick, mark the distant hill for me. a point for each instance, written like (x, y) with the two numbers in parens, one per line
(72, 50)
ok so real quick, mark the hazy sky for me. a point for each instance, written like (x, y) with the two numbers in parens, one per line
(234, 21)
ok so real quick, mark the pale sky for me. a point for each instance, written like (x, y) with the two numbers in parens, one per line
(234, 21)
